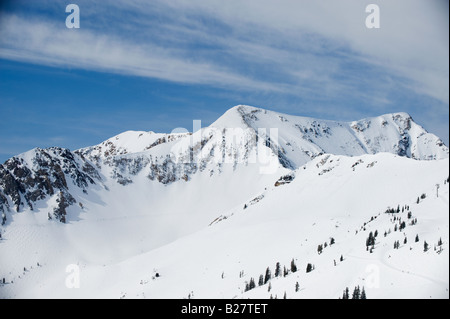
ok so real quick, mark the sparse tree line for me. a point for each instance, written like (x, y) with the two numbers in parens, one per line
(399, 226)
(421, 198)
(285, 271)
(357, 293)
(279, 272)
(264, 279)
(397, 210)
(363, 227)
(321, 247)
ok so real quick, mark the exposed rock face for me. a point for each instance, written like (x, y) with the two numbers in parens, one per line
(40, 174)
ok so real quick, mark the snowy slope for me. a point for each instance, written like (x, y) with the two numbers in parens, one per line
(235, 196)
(329, 197)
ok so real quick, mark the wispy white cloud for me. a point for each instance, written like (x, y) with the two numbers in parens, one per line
(412, 42)
(294, 40)
(49, 44)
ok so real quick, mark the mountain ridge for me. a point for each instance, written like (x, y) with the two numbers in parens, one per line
(242, 136)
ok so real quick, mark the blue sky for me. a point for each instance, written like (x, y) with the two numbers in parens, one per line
(157, 65)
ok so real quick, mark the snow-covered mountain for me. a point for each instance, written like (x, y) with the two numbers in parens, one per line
(254, 188)
(241, 136)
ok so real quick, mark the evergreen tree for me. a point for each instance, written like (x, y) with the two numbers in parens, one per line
(285, 272)
(376, 234)
(417, 238)
(278, 270)
(346, 294)
(297, 287)
(409, 215)
(402, 226)
(320, 249)
(268, 275)
(363, 294)
(332, 241)
(405, 241)
(425, 246)
(396, 245)
(342, 258)
(293, 266)
(356, 293)
(270, 287)
(309, 268)
(439, 242)
(370, 241)
(285, 295)
(252, 284)
(261, 280)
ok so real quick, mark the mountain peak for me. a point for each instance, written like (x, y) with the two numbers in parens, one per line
(236, 117)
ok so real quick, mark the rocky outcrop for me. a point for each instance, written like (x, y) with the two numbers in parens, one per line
(40, 174)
